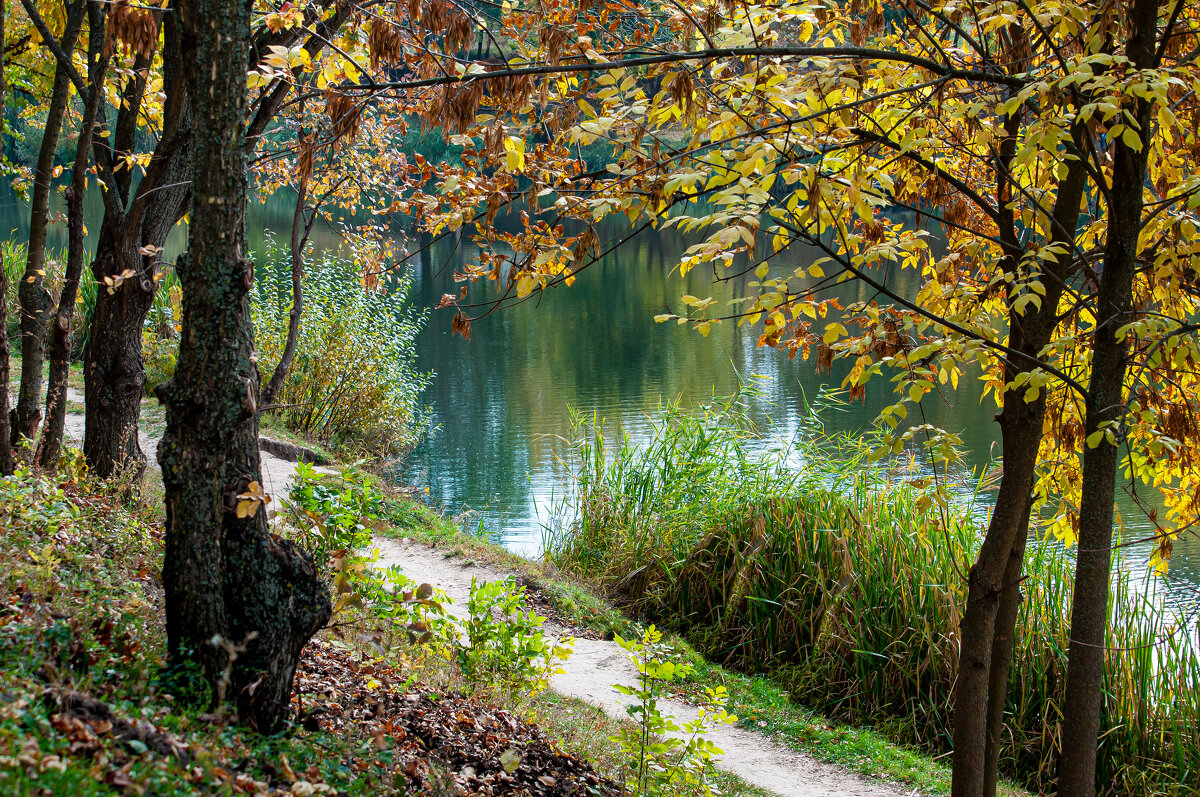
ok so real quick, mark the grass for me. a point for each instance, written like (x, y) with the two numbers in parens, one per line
(843, 581)
(81, 613)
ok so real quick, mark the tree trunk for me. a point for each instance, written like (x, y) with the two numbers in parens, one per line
(6, 453)
(1002, 652)
(34, 299)
(300, 231)
(226, 578)
(989, 620)
(6, 458)
(60, 347)
(113, 373)
(1021, 428)
(114, 376)
(1104, 405)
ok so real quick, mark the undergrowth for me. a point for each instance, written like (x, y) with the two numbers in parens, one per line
(88, 707)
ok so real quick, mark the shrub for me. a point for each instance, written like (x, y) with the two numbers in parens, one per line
(499, 644)
(659, 763)
(352, 383)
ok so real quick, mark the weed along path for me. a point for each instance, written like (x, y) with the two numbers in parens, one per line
(596, 665)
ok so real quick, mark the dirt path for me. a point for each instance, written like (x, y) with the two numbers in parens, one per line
(597, 664)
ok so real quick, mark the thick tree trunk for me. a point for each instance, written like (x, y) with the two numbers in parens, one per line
(113, 372)
(300, 231)
(1002, 653)
(114, 375)
(60, 347)
(226, 577)
(1021, 427)
(34, 299)
(1104, 405)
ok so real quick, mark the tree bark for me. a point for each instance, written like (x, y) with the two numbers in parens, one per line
(1021, 427)
(989, 620)
(114, 374)
(1002, 652)
(34, 299)
(227, 579)
(60, 347)
(300, 231)
(1104, 405)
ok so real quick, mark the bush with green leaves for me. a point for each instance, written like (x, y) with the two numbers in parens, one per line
(660, 763)
(353, 382)
(503, 642)
(500, 644)
(333, 520)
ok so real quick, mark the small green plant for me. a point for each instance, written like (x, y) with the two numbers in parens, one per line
(334, 521)
(504, 644)
(661, 763)
(500, 644)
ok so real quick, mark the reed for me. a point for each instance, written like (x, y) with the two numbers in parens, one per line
(845, 581)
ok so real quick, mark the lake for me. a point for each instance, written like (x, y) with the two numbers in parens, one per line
(502, 402)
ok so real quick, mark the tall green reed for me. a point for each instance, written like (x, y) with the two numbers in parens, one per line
(846, 579)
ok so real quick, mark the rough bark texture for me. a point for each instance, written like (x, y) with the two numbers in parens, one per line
(114, 375)
(1103, 404)
(6, 460)
(60, 347)
(988, 623)
(1002, 653)
(227, 579)
(6, 454)
(300, 231)
(35, 301)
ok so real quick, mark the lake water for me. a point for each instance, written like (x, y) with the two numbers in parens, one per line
(502, 401)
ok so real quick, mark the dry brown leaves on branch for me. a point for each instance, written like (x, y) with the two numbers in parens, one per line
(134, 27)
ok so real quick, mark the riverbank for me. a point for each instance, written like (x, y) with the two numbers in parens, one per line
(848, 754)
(843, 757)
(822, 756)
(842, 577)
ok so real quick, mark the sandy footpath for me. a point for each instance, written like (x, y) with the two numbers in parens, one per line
(596, 665)
(277, 473)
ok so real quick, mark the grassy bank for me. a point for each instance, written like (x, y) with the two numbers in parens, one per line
(845, 582)
(762, 703)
